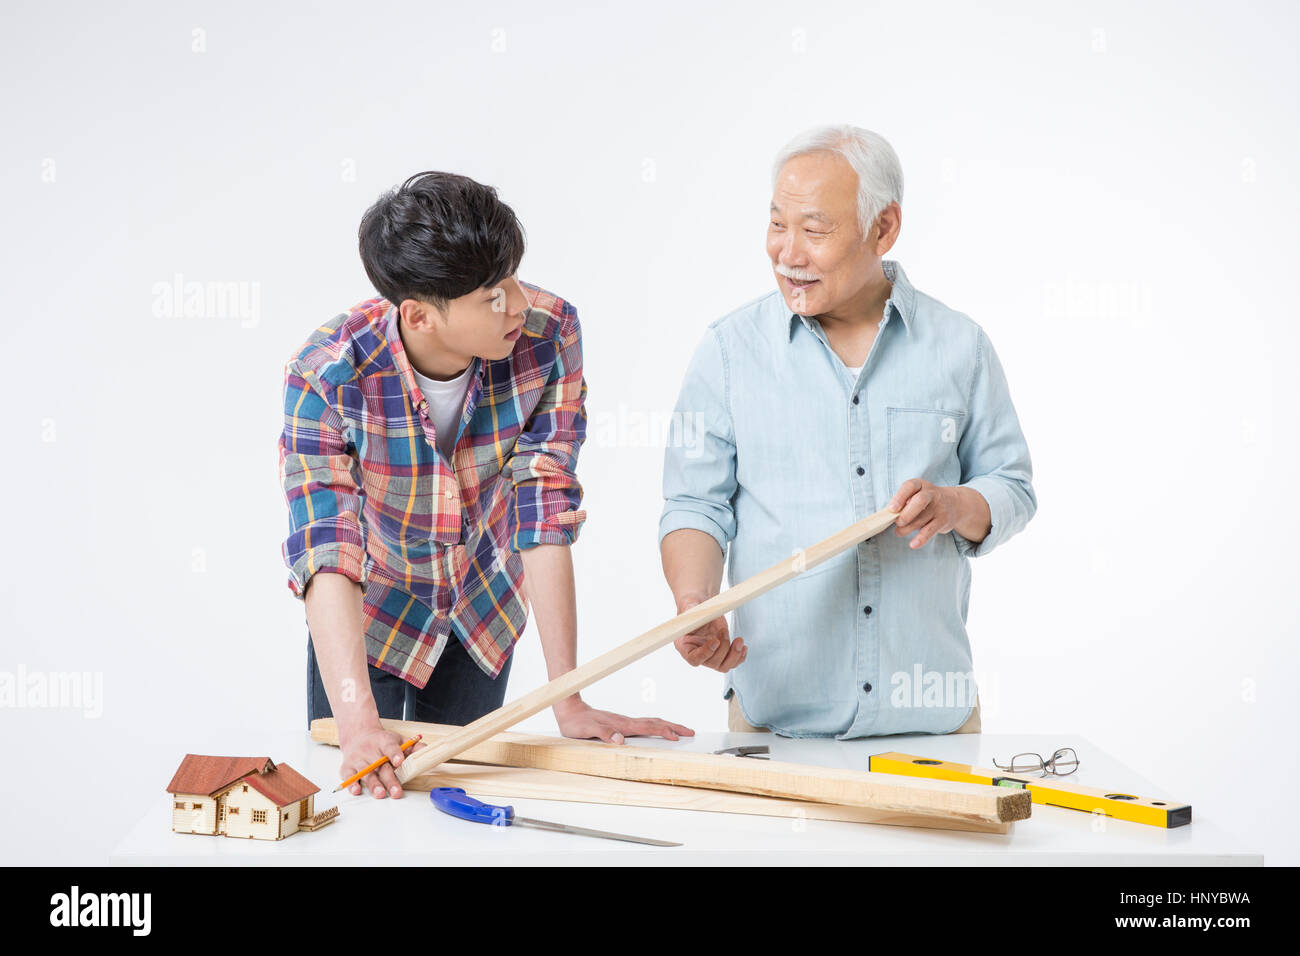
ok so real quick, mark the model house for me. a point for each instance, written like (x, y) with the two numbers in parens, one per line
(246, 797)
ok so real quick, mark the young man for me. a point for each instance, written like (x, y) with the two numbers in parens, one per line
(428, 455)
(843, 391)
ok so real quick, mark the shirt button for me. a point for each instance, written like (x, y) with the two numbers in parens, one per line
(861, 470)
(867, 610)
(855, 399)
(867, 688)
(448, 495)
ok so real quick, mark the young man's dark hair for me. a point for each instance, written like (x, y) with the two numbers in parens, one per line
(437, 237)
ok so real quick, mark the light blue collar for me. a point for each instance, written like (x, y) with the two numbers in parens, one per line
(902, 300)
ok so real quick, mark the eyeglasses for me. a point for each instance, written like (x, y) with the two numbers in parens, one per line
(1063, 762)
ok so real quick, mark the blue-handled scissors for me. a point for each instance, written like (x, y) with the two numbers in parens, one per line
(455, 801)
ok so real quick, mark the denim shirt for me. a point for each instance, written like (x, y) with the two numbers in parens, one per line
(781, 446)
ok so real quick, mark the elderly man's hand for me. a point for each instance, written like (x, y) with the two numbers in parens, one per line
(710, 644)
(930, 509)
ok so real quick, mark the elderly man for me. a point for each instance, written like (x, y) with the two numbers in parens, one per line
(844, 391)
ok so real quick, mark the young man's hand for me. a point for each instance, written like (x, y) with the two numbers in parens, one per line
(578, 719)
(361, 749)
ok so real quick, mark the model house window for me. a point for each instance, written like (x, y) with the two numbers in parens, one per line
(196, 806)
(180, 804)
(245, 788)
(259, 816)
(234, 810)
(286, 814)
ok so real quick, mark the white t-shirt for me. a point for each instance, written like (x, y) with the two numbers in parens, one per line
(446, 402)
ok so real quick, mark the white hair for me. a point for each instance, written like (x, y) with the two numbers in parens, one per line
(880, 175)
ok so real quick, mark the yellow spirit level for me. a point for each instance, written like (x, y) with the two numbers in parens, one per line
(1049, 791)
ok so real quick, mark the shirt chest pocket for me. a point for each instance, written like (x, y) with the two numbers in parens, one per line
(405, 506)
(923, 444)
(498, 425)
(482, 465)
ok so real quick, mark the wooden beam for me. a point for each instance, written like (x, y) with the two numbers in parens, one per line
(575, 680)
(886, 792)
(511, 782)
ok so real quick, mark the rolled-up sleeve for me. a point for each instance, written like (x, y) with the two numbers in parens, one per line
(543, 467)
(321, 486)
(700, 458)
(994, 456)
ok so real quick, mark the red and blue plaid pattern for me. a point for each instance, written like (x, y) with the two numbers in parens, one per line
(433, 544)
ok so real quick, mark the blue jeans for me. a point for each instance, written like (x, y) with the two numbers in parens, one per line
(458, 691)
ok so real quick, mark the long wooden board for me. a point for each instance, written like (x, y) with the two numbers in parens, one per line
(575, 680)
(886, 792)
(484, 781)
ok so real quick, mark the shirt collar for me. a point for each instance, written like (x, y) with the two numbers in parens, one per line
(394, 338)
(398, 351)
(902, 299)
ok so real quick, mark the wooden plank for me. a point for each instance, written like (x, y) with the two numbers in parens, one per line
(858, 788)
(510, 782)
(575, 680)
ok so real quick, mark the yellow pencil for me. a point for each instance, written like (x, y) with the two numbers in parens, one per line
(374, 766)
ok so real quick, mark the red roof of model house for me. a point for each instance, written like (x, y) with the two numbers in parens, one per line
(281, 785)
(200, 774)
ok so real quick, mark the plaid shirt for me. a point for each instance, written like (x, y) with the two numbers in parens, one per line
(433, 545)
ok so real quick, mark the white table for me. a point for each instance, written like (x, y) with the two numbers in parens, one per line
(410, 831)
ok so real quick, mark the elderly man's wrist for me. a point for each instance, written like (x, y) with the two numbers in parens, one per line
(975, 519)
(688, 599)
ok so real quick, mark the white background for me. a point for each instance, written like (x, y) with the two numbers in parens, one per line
(1109, 190)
